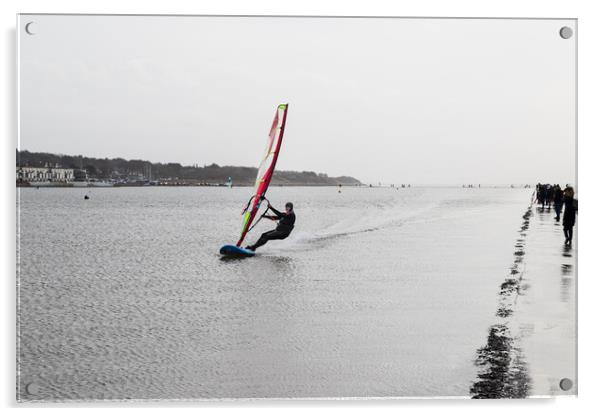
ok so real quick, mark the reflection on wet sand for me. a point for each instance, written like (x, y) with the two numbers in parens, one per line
(566, 269)
(566, 279)
(503, 370)
(566, 285)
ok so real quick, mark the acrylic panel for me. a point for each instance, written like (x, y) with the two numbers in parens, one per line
(430, 244)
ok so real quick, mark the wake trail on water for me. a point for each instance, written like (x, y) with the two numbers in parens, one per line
(375, 218)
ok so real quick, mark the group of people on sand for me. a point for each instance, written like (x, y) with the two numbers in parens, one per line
(562, 200)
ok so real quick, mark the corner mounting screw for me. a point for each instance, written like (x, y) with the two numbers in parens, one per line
(566, 32)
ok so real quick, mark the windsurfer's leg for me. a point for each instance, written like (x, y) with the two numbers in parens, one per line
(262, 240)
(265, 237)
(279, 235)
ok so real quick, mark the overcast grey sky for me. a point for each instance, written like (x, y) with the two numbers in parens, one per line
(423, 101)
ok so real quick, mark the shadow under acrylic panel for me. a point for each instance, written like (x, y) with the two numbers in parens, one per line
(431, 167)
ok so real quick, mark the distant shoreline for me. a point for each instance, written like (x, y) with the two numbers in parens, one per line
(37, 168)
(181, 185)
(296, 185)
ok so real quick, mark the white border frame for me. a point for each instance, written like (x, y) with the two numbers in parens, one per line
(588, 125)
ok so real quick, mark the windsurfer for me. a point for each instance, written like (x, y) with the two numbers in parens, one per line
(286, 223)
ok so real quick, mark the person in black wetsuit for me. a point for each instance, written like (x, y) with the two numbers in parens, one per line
(570, 212)
(286, 223)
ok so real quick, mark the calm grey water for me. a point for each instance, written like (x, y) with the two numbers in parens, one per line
(378, 292)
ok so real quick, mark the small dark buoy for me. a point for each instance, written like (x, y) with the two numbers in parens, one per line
(86, 197)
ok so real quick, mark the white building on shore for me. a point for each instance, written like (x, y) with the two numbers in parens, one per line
(33, 175)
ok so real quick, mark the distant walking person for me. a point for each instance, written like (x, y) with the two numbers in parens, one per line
(570, 212)
(549, 195)
(558, 200)
(541, 195)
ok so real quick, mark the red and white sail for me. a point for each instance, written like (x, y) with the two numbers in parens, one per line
(266, 168)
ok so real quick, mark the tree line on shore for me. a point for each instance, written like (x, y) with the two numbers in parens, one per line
(117, 168)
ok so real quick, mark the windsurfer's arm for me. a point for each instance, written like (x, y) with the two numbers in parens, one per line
(275, 211)
(271, 217)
